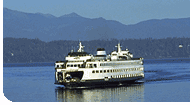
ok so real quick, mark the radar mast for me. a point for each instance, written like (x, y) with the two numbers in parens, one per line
(80, 47)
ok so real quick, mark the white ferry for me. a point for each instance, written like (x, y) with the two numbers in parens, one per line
(81, 69)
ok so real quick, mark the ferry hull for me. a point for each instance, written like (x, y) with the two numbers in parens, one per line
(100, 82)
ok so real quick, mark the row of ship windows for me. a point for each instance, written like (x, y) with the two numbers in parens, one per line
(81, 65)
(115, 70)
(95, 65)
(114, 64)
(126, 75)
(75, 65)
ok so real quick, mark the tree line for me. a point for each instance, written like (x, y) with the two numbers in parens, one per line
(21, 50)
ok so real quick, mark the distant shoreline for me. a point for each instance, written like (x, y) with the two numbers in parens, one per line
(55, 61)
(24, 50)
(34, 64)
(167, 58)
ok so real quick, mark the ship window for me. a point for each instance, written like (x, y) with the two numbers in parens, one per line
(93, 71)
(111, 71)
(104, 71)
(57, 65)
(100, 71)
(97, 71)
(95, 65)
(78, 65)
(90, 65)
(68, 65)
(71, 65)
(75, 65)
(63, 65)
(107, 71)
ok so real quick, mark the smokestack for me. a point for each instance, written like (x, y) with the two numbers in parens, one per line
(101, 51)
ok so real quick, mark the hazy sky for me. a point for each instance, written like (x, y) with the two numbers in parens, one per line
(124, 11)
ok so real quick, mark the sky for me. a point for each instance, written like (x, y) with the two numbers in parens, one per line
(124, 11)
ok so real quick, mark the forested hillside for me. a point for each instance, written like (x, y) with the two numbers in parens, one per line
(17, 50)
(72, 26)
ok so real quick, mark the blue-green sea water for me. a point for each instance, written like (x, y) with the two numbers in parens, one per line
(166, 80)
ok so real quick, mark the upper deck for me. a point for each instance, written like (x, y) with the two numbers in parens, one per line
(81, 59)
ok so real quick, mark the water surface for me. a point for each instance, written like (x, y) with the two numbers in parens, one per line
(165, 80)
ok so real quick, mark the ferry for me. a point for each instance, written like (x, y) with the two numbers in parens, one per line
(81, 69)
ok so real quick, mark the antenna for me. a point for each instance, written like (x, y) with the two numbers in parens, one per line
(80, 48)
(72, 49)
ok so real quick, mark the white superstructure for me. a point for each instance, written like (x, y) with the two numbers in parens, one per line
(81, 68)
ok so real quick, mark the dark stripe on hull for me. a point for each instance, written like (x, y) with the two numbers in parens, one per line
(100, 82)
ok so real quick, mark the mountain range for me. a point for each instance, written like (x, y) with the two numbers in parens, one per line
(47, 27)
